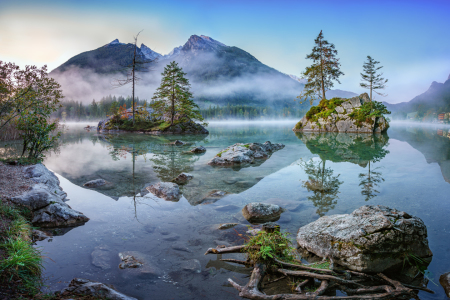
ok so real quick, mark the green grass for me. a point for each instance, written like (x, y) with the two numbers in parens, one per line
(323, 110)
(21, 261)
(24, 161)
(276, 244)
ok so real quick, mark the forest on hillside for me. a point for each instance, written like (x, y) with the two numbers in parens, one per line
(72, 110)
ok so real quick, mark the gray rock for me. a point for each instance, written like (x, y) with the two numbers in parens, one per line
(46, 200)
(101, 257)
(183, 178)
(192, 265)
(58, 214)
(199, 149)
(166, 190)
(85, 287)
(244, 153)
(370, 239)
(261, 212)
(95, 183)
(444, 280)
(137, 264)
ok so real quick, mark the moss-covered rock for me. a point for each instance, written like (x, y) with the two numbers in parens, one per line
(356, 115)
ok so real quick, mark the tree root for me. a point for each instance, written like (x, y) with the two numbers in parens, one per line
(347, 281)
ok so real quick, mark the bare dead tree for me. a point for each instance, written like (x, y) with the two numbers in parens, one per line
(139, 63)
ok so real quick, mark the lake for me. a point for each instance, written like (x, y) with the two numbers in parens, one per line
(408, 169)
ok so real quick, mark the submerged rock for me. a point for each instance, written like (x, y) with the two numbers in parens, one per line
(101, 257)
(192, 265)
(370, 239)
(86, 287)
(38, 235)
(137, 264)
(262, 212)
(339, 118)
(178, 143)
(212, 197)
(95, 183)
(183, 178)
(166, 190)
(444, 280)
(226, 226)
(244, 153)
(199, 149)
(46, 200)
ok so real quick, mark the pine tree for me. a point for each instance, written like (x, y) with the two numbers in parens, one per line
(173, 96)
(372, 80)
(323, 71)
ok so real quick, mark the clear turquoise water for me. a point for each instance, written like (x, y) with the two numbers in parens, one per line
(409, 170)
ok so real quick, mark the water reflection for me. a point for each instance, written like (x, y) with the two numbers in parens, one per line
(323, 184)
(360, 149)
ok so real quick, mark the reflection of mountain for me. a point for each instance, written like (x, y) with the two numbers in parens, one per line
(346, 147)
(430, 143)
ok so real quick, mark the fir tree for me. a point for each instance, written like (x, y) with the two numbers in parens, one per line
(323, 71)
(173, 96)
(372, 80)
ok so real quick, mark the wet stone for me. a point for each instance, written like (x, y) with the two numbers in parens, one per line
(183, 178)
(171, 237)
(149, 228)
(262, 212)
(136, 264)
(226, 208)
(226, 226)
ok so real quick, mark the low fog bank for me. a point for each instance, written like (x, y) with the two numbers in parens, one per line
(211, 78)
(418, 124)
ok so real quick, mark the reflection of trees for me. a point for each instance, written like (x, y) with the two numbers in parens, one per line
(323, 184)
(369, 182)
(169, 162)
(361, 149)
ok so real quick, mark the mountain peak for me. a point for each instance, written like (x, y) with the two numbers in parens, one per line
(115, 42)
(202, 42)
(149, 53)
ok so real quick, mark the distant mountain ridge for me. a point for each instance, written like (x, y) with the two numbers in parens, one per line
(219, 74)
(436, 98)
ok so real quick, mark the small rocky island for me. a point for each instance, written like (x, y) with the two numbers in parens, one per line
(356, 115)
(145, 123)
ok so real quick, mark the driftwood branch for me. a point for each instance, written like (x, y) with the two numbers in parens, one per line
(348, 281)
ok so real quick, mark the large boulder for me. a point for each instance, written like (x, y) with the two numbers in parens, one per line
(166, 190)
(258, 213)
(46, 200)
(339, 119)
(370, 239)
(244, 153)
(98, 290)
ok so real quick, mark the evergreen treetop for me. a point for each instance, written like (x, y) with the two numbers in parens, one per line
(173, 97)
(324, 70)
(372, 80)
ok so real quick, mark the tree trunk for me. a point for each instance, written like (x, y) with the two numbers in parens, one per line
(321, 71)
(173, 101)
(134, 67)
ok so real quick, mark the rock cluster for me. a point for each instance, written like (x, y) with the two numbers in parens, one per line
(244, 153)
(46, 200)
(370, 239)
(258, 213)
(166, 190)
(340, 119)
(199, 149)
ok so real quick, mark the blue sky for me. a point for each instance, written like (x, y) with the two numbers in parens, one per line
(409, 38)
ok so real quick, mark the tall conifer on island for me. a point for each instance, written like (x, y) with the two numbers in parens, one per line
(174, 97)
(324, 70)
(372, 80)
